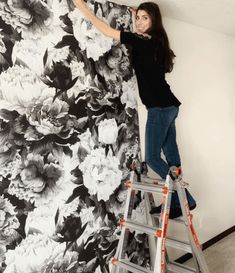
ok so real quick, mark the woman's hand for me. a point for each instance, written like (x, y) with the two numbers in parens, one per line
(97, 22)
(133, 11)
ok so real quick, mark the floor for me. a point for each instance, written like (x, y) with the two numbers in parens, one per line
(220, 257)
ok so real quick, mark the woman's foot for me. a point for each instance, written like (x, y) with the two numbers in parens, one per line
(174, 211)
(156, 210)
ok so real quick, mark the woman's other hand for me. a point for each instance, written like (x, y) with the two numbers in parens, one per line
(133, 11)
(97, 22)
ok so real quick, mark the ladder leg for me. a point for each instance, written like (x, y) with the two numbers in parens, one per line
(152, 221)
(200, 263)
(127, 215)
(160, 262)
(120, 252)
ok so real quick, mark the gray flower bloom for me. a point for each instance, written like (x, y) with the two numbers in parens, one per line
(8, 221)
(31, 17)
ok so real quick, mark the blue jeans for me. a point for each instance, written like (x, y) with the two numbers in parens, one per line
(160, 135)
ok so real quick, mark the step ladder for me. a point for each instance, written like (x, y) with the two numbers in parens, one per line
(158, 229)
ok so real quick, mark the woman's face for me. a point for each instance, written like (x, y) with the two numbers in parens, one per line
(142, 21)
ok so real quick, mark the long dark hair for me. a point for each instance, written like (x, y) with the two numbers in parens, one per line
(158, 33)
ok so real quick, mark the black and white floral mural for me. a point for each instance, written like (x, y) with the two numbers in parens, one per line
(68, 135)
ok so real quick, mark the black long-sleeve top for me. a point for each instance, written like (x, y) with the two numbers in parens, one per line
(153, 88)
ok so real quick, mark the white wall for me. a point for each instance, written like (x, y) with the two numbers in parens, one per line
(204, 81)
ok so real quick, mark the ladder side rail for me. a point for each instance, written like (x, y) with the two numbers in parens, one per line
(127, 215)
(151, 220)
(196, 247)
(153, 241)
(187, 218)
(114, 268)
(160, 263)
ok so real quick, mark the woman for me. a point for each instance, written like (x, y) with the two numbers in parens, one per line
(152, 58)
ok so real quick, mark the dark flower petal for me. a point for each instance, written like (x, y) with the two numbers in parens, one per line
(81, 192)
(67, 40)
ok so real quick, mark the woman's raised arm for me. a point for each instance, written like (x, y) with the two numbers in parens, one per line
(97, 22)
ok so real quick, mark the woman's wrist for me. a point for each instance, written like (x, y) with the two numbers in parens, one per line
(78, 2)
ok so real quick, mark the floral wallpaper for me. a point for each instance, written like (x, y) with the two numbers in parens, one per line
(68, 136)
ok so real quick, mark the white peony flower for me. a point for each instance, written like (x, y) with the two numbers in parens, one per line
(83, 81)
(129, 93)
(101, 173)
(59, 8)
(25, 87)
(41, 219)
(57, 55)
(31, 52)
(86, 141)
(89, 38)
(108, 131)
(67, 210)
(93, 224)
(38, 252)
(86, 214)
(77, 69)
(49, 117)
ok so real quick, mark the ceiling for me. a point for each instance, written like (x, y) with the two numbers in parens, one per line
(217, 15)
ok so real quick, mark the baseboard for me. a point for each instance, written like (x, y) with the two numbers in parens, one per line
(207, 244)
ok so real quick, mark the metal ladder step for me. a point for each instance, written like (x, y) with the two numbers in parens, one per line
(125, 264)
(139, 227)
(178, 244)
(154, 232)
(171, 267)
(147, 187)
(179, 219)
(153, 180)
(179, 268)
